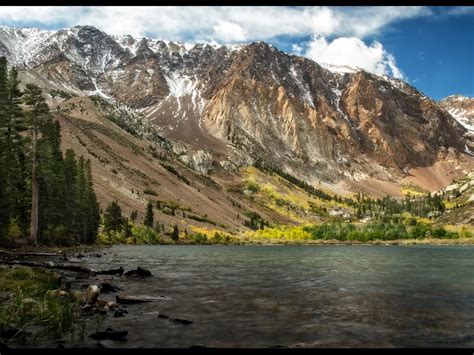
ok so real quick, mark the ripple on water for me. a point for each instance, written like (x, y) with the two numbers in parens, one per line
(259, 296)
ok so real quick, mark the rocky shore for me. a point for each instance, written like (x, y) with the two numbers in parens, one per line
(100, 295)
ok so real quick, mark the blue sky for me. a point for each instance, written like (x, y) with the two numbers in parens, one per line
(430, 47)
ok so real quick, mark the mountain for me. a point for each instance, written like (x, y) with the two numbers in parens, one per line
(462, 109)
(460, 200)
(218, 109)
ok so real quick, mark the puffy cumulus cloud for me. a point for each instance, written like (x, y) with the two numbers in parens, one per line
(229, 32)
(227, 24)
(324, 20)
(351, 51)
(349, 25)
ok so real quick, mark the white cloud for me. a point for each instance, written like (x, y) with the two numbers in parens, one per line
(296, 48)
(201, 22)
(349, 25)
(229, 32)
(353, 52)
(461, 10)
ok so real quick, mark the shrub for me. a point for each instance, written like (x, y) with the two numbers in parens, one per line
(252, 186)
(150, 192)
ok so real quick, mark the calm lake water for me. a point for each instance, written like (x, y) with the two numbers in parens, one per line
(310, 296)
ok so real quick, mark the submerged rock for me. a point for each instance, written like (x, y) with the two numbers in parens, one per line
(111, 334)
(175, 320)
(126, 299)
(107, 287)
(138, 272)
(120, 313)
(181, 321)
(118, 271)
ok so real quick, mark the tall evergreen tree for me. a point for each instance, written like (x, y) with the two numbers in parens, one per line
(4, 209)
(113, 220)
(92, 220)
(51, 177)
(70, 191)
(81, 199)
(13, 149)
(149, 215)
(37, 116)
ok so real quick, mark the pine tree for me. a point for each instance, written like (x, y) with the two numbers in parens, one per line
(13, 150)
(51, 177)
(81, 199)
(4, 208)
(175, 234)
(149, 215)
(93, 208)
(37, 116)
(113, 220)
(70, 191)
(133, 216)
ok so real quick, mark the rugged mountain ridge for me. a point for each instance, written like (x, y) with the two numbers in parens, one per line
(462, 109)
(234, 105)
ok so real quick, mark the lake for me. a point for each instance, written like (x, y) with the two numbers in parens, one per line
(308, 296)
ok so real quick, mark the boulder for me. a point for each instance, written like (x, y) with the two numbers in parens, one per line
(138, 272)
(107, 287)
(86, 308)
(120, 313)
(57, 293)
(101, 303)
(111, 305)
(92, 293)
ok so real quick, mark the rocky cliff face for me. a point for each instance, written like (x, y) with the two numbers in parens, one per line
(462, 109)
(235, 105)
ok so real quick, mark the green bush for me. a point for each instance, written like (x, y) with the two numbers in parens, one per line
(252, 186)
(150, 192)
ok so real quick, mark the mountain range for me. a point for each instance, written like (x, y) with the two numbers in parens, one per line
(184, 124)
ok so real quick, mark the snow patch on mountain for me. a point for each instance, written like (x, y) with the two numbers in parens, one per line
(461, 116)
(23, 43)
(179, 84)
(340, 69)
(303, 86)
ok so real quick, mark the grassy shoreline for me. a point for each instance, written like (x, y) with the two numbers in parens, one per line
(427, 241)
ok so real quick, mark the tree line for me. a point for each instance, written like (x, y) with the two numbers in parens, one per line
(44, 194)
(428, 205)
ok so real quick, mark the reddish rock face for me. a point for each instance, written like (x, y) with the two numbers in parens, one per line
(254, 102)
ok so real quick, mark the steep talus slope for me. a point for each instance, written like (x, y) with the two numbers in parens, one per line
(133, 170)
